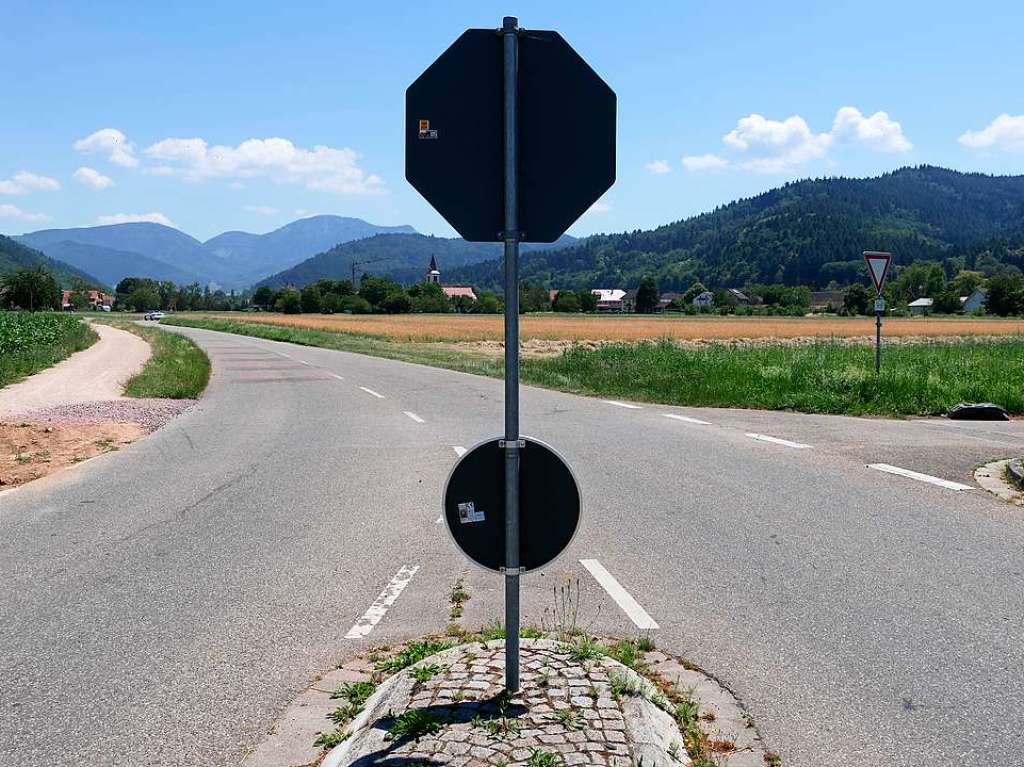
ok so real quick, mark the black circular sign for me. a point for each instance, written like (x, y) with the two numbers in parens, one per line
(549, 505)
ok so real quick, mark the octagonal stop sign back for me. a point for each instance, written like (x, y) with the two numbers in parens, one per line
(454, 135)
(549, 505)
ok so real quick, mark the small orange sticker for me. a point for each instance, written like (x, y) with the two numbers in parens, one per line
(424, 125)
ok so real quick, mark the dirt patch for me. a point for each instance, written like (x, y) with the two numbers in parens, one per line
(30, 450)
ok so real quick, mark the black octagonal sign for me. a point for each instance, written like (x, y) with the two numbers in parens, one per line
(454, 135)
(549, 505)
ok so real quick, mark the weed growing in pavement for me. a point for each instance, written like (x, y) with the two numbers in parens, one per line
(21, 457)
(674, 751)
(771, 759)
(493, 630)
(454, 630)
(584, 648)
(544, 759)
(332, 738)
(457, 598)
(355, 693)
(531, 632)
(628, 653)
(563, 615)
(645, 643)
(457, 696)
(570, 718)
(413, 724)
(414, 652)
(544, 677)
(499, 762)
(503, 725)
(424, 672)
(620, 685)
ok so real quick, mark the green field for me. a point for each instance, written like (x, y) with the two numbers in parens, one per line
(820, 377)
(178, 368)
(33, 341)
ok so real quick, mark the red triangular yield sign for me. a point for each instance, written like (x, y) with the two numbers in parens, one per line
(878, 265)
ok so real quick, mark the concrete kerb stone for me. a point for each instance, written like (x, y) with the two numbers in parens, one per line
(993, 478)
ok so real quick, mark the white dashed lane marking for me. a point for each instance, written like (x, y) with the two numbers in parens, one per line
(372, 393)
(889, 469)
(630, 606)
(413, 416)
(335, 375)
(459, 450)
(777, 441)
(686, 419)
(380, 606)
(627, 405)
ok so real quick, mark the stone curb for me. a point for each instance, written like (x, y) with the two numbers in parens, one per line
(992, 477)
(1016, 472)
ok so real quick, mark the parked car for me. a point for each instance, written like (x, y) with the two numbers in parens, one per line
(154, 316)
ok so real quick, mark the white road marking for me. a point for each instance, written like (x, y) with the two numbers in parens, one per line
(686, 419)
(919, 477)
(459, 450)
(284, 355)
(630, 606)
(303, 362)
(372, 392)
(621, 404)
(777, 441)
(413, 416)
(379, 608)
(335, 375)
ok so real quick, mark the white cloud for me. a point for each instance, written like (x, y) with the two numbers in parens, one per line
(783, 144)
(112, 143)
(599, 207)
(263, 210)
(876, 132)
(132, 218)
(24, 182)
(658, 167)
(1006, 132)
(704, 162)
(277, 159)
(12, 211)
(93, 178)
(763, 145)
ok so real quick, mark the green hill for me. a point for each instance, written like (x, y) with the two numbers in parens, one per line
(804, 233)
(14, 256)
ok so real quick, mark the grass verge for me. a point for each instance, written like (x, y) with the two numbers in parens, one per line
(34, 341)
(821, 377)
(178, 369)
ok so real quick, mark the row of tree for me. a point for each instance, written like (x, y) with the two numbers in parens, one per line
(374, 295)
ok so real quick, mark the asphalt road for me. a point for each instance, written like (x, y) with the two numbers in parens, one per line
(161, 605)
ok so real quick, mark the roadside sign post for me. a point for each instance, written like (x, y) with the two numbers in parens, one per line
(510, 48)
(878, 267)
(510, 135)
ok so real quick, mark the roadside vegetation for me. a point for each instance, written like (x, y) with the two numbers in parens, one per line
(33, 341)
(825, 376)
(178, 369)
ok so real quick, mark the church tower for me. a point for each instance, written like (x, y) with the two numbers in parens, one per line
(433, 275)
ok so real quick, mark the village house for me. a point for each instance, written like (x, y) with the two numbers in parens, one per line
(742, 299)
(921, 306)
(609, 299)
(97, 299)
(433, 276)
(974, 301)
(704, 300)
(822, 299)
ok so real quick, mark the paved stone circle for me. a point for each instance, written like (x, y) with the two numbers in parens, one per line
(564, 708)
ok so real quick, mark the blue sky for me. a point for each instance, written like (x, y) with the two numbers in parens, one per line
(118, 110)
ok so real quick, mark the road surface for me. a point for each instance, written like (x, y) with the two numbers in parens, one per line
(161, 605)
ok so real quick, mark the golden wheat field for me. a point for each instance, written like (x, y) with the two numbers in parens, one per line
(554, 327)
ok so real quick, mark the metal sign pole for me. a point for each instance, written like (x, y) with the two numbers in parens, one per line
(878, 341)
(509, 31)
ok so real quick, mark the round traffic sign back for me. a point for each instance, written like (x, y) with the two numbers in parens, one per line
(549, 505)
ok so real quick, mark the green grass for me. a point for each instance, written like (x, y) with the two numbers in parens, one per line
(178, 369)
(413, 724)
(822, 377)
(34, 341)
(413, 653)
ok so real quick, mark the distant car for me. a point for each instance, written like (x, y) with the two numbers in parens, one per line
(154, 316)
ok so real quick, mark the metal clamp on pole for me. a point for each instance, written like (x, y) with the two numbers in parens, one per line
(506, 444)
